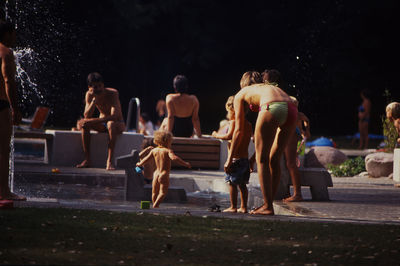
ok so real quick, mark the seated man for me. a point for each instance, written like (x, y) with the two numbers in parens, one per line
(183, 110)
(110, 120)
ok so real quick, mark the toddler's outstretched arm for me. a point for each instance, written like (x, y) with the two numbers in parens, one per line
(177, 159)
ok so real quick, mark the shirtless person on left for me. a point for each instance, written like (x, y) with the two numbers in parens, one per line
(9, 112)
(106, 100)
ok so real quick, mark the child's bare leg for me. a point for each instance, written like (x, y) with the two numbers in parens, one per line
(155, 189)
(164, 184)
(243, 198)
(290, 156)
(233, 198)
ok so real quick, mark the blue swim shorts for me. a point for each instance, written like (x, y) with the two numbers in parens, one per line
(240, 172)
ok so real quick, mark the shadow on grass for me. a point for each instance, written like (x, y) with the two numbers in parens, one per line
(82, 237)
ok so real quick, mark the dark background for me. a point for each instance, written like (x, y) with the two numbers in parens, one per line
(327, 52)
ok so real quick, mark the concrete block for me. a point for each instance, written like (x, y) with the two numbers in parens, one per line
(188, 184)
(396, 165)
(175, 194)
(224, 153)
(220, 185)
(318, 179)
(67, 147)
(205, 184)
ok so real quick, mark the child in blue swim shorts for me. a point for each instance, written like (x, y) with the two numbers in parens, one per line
(238, 174)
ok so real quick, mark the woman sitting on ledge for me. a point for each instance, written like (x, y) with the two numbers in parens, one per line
(183, 110)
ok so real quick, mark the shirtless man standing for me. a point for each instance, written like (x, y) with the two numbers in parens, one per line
(106, 100)
(9, 112)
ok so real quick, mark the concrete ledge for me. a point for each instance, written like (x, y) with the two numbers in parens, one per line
(67, 147)
(318, 179)
(396, 165)
(224, 153)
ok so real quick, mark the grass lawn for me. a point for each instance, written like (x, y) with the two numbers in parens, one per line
(88, 237)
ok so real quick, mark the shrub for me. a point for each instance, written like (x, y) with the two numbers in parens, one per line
(350, 167)
(390, 133)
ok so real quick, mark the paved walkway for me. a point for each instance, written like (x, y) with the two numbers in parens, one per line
(355, 199)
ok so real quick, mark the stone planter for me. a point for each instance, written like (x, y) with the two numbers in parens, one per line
(379, 164)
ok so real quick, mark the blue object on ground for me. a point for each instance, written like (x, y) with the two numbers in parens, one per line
(322, 141)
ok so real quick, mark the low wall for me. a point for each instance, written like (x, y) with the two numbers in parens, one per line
(67, 147)
(396, 165)
(224, 153)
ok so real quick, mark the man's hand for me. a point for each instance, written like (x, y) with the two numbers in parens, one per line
(214, 134)
(16, 117)
(188, 165)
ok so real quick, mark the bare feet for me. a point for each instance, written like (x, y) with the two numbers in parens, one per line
(110, 166)
(262, 210)
(84, 164)
(293, 198)
(242, 210)
(230, 209)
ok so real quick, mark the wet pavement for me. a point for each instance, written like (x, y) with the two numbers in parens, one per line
(353, 199)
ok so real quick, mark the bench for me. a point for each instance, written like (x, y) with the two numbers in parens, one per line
(67, 147)
(318, 179)
(201, 153)
(135, 189)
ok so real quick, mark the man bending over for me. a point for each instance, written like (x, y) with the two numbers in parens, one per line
(110, 120)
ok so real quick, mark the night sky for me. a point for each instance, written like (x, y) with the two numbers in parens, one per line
(326, 51)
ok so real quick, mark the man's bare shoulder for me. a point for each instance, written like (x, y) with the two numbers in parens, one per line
(6, 53)
(111, 90)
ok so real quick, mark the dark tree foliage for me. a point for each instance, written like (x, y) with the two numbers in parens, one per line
(327, 52)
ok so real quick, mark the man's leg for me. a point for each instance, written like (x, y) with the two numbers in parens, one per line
(282, 138)
(5, 138)
(114, 129)
(290, 156)
(86, 142)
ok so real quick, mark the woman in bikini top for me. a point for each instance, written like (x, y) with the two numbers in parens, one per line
(276, 110)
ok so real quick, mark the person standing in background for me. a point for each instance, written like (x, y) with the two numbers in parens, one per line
(364, 111)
